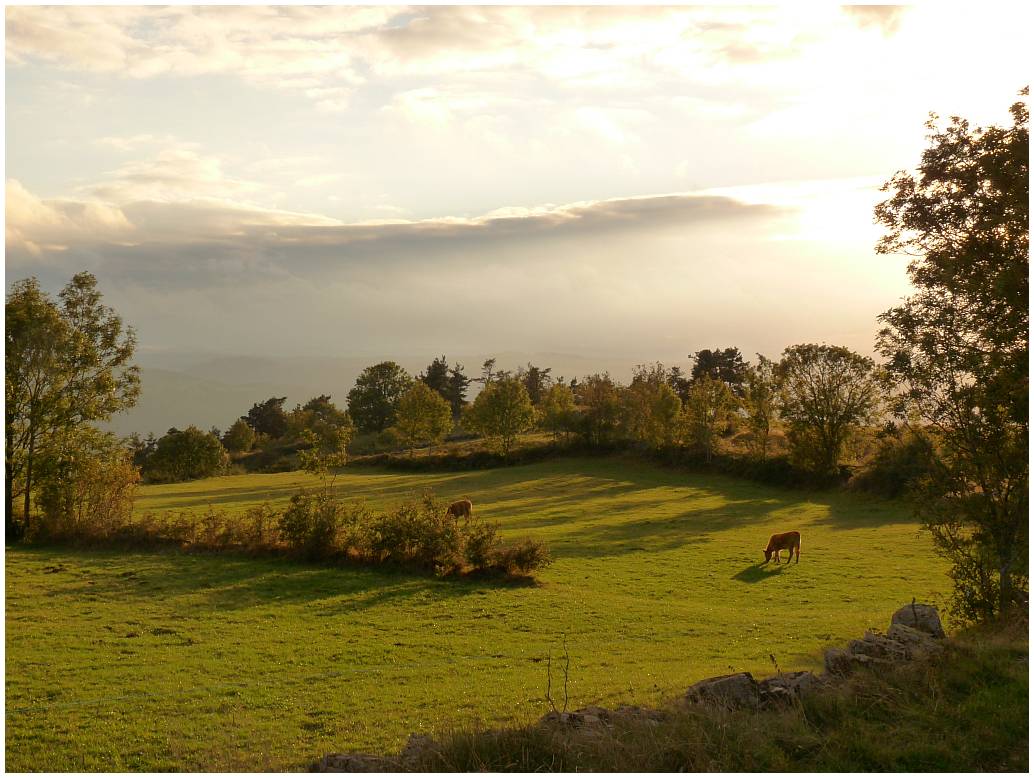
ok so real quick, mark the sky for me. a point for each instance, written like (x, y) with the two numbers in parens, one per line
(385, 181)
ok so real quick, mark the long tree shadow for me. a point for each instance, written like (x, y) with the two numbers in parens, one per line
(227, 582)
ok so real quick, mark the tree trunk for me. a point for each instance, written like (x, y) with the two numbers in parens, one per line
(28, 491)
(10, 525)
(1005, 593)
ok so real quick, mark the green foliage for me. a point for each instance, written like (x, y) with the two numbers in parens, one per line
(679, 383)
(501, 411)
(448, 382)
(420, 533)
(724, 365)
(825, 394)
(423, 416)
(457, 390)
(436, 376)
(268, 418)
(599, 398)
(87, 487)
(317, 526)
(536, 380)
(707, 412)
(902, 460)
(759, 401)
(239, 438)
(373, 401)
(66, 365)
(326, 431)
(556, 411)
(522, 557)
(650, 407)
(186, 455)
(958, 349)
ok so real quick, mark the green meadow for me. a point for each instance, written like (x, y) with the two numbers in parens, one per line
(159, 660)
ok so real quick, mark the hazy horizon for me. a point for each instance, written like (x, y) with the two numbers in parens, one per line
(380, 182)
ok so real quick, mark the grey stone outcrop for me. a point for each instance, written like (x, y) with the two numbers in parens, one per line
(921, 617)
(738, 690)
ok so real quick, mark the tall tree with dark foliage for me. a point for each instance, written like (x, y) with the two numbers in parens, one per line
(958, 348)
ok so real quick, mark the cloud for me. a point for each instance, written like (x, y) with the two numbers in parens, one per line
(886, 17)
(195, 239)
(328, 53)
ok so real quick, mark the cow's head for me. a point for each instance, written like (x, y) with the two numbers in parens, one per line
(768, 554)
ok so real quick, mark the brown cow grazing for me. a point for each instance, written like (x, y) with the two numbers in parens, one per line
(791, 541)
(460, 508)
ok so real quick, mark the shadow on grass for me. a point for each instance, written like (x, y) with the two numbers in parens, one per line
(757, 572)
(219, 581)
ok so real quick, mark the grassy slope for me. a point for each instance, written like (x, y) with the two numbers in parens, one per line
(170, 661)
(963, 711)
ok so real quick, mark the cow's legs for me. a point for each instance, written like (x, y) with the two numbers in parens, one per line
(778, 559)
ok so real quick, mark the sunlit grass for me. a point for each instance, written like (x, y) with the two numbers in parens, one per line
(176, 661)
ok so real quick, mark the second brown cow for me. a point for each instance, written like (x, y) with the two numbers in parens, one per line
(460, 508)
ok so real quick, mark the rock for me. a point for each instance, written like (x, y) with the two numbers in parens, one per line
(415, 748)
(837, 661)
(879, 647)
(575, 719)
(738, 690)
(635, 712)
(783, 689)
(918, 643)
(776, 697)
(355, 763)
(921, 617)
(800, 682)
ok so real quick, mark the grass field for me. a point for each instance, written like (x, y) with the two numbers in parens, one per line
(171, 661)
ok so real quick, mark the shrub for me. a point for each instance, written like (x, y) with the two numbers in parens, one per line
(420, 533)
(185, 455)
(481, 542)
(311, 524)
(88, 495)
(523, 557)
(900, 460)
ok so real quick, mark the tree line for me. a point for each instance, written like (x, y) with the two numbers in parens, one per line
(953, 380)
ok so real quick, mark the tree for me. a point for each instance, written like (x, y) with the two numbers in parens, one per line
(557, 411)
(650, 406)
(437, 376)
(490, 374)
(457, 390)
(536, 380)
(326, 429)
(67, 364)
(724, 364)
(825, 394)
(374, 399)
(268, 418)
(599, 399)
(423, 416)
(185, 455)
(759, 401)
(958, 349)
(502, 410)
(239, 438)
(706, 412)
(679, 383)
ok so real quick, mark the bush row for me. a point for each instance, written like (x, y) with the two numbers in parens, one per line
(417, 534)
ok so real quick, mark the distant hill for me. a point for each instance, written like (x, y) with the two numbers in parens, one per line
(205, 390)
(174, 399)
